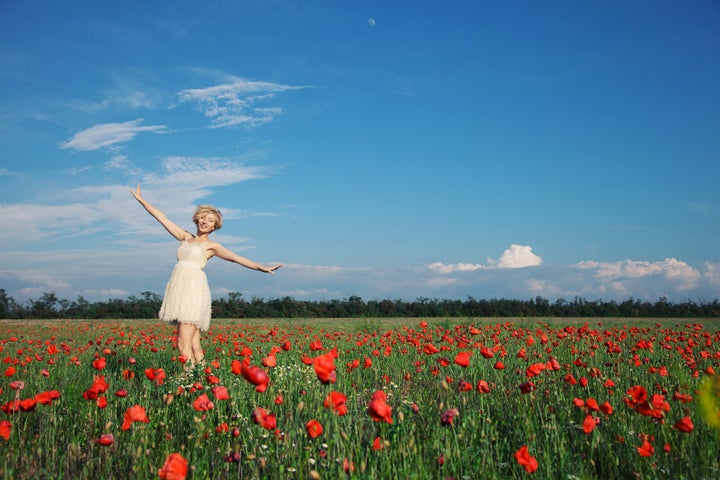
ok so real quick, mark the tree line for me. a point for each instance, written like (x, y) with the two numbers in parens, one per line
(234, 305)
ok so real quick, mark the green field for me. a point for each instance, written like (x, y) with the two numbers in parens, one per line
(588, 398)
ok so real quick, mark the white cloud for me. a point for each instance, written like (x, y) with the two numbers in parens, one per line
(517, 256)
(685, 276)
(109, 134)
(202, 172)
(235, 103)
(34, 221)
(443, 269)
(712, 273)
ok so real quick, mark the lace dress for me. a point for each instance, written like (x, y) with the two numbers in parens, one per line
(187, 295)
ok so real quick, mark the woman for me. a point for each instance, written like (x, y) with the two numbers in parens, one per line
(187, 295)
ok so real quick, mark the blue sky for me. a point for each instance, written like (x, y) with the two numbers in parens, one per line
(395, 150)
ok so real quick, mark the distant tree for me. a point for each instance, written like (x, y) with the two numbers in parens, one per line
(8, 307)
(45, 307)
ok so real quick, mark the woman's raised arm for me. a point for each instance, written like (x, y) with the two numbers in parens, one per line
(170, 226)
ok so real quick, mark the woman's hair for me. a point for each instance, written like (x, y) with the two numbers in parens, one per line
(202, 210)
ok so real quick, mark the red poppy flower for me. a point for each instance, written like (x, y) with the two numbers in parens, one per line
(156, 375)
(636, 394)
(236, 367)
(314, 428)
(5, 429)
(10, 371)
(46, 398)
(121, 393)
(646, 449)
(99, 363)
(464, 386)
(534, 369)
(592, 405)
(525, 460)
(12, 406)
(175, 468)
(553, 364)
(448, 416)
(483, 387)
(486, 352)
(378, 444)
(589, 424)
(463, 359)
(570, 379)
(255, 375)
(348, 465)
(269, 361)
(98, 387)
(499, 365)
(606, 408)
(264, 419)
(430, 349)
(17, 385)
(378, 409)
(105, 439)
(527, 387)
(336, 401)
(203, 403)
(136, 413)
(685, 424)
(324, 366)
(101, 402)
(220, 392)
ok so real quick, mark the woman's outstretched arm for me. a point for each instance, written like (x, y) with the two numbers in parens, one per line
(222, 252)
(170, 226)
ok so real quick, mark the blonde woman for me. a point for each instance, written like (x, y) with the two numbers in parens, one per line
(187, 296)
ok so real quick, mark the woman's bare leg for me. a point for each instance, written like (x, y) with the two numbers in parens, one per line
(197, 350)
(185, 334)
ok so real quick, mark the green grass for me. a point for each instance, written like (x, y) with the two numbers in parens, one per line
(59, 440)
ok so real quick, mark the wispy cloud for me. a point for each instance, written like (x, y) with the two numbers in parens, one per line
(179, 184)
(36, 221)
(109, 134)
(444, 269)
(679, 272)
(237, 102)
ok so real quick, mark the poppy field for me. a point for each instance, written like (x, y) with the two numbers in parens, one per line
(362, 398)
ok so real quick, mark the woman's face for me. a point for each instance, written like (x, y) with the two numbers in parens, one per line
(206, 223)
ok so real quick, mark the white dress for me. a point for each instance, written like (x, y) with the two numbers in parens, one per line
(187, 295)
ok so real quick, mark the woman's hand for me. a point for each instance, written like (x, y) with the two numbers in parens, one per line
(137, 194)
(271, 270)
